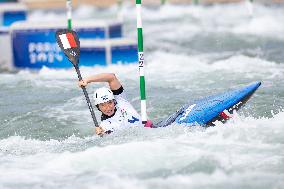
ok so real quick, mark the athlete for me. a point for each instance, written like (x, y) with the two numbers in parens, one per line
(117, 112)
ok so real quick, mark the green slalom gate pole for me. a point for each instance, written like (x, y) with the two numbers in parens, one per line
(141, 61)
(119, 3)
(69, 14)
(195, 2)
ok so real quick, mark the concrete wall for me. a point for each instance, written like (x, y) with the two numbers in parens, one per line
(46, 4)
(106, 3)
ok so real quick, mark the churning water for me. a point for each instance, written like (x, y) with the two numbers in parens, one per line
(46, 136)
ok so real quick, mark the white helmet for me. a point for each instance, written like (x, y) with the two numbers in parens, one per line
(103, 95)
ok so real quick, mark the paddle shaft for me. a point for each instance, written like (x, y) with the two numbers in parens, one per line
(86, 96)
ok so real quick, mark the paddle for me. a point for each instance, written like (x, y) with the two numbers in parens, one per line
(69, 43)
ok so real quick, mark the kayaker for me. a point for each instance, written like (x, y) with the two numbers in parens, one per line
(117, 112)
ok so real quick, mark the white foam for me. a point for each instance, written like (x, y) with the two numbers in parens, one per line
(243, 149)
(252, 65)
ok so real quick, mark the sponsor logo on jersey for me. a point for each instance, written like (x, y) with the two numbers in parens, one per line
(133, 120)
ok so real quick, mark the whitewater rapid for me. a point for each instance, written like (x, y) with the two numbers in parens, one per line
(46, 136)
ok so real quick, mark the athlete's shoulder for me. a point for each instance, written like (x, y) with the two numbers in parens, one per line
(120, 95)
(118, 91)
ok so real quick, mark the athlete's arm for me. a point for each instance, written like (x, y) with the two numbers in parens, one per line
(110, 78)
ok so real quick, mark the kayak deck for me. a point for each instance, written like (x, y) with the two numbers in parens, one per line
(206, 111)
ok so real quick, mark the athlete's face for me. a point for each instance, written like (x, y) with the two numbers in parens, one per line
(107, 108)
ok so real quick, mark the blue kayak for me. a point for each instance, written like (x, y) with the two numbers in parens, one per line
(206, 111)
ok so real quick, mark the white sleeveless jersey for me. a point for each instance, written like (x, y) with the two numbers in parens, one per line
(124, 117)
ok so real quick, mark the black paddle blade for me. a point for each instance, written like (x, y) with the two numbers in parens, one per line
(69, 43)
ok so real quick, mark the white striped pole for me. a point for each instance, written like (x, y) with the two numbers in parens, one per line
(249, 4)
(69, 14)
(141, 61)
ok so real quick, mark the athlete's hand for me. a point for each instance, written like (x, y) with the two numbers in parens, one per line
(83, 83)
(99, 131)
